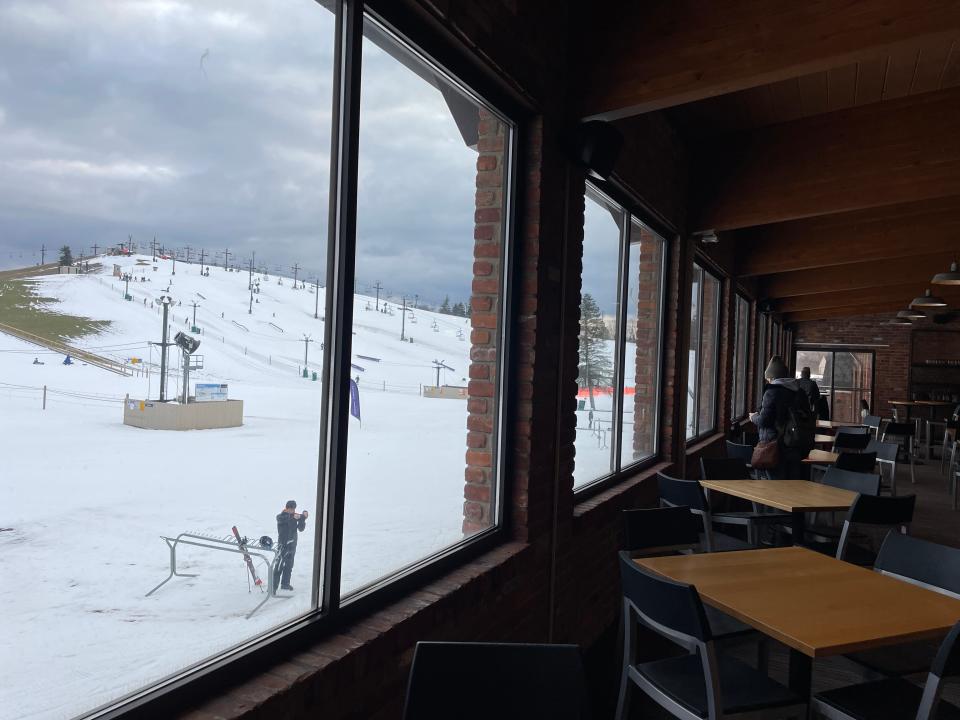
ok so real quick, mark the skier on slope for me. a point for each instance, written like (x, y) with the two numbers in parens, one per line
(289, 522)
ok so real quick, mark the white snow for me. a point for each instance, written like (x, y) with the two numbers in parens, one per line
(84, 498)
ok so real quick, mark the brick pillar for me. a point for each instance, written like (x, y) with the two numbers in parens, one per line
(478, 491)
(708, 355)
(647, 330)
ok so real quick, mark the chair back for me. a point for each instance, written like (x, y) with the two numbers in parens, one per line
(850, 441)
(852, 430)
(885, 452)
(947, 661)
(672, 609)
(863, 483)
(519, 681)
(872, 421)
(876, 510)
(724, 468)
(856, 462)
(743, 453)
(899, 429)
(933, 566)
(674, 491)
(660, 530)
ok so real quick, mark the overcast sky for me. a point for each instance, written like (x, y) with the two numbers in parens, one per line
(207, 123)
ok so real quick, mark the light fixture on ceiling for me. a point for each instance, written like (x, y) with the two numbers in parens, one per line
(927, 300)
(952, 277)
(707, 237)
(900, 321)
(912, 314)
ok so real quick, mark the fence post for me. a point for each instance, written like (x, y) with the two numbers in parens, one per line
(44, 397)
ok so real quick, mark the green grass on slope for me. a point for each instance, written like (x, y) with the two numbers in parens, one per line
(23, 308)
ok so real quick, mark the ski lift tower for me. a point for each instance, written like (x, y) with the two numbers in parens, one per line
(189, 346)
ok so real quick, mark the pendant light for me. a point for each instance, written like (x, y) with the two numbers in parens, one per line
(900, 321)
(927, 300)
(947, 278)
(912, 314)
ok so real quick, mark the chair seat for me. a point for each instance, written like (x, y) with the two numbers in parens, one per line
(888, 699)
(906, 659)
(854, 554)
(742, 688)
(725, 627)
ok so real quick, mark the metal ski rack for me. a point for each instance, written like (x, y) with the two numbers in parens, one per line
(227, 544)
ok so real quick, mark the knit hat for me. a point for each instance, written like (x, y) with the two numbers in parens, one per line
(776, 369)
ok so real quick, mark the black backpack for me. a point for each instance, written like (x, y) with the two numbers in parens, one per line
(801, 424)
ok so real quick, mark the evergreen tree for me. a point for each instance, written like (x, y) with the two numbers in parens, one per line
(445, 308)
(66, 257)
(596, 364)
(458, 310)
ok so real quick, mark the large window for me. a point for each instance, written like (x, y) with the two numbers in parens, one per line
(176, 173)
(703, 353)
(845, 378)
(619, 360)
(741, 351)
(763, 355)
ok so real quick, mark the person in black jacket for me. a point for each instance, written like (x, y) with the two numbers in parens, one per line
(810, 388)
(289, 523)
(779, 395)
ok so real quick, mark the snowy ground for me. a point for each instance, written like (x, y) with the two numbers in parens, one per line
(85, 498)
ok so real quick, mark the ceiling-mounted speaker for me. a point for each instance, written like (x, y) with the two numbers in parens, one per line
(596, 145)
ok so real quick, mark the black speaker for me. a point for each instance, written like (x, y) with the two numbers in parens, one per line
(596, 145)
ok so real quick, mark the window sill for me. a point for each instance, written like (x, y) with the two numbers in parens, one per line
(616, 492)
(698, 444)
(311, 676)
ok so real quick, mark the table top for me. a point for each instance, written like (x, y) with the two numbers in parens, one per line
(923, 403)
(786, 495)
(837, 424)
(812, 603)
(829, 439)
(821, 457)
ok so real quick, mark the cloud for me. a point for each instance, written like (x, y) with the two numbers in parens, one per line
(86, 169)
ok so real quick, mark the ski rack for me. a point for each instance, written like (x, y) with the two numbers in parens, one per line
(227, 544)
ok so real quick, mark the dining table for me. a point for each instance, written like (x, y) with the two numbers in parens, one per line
(814, 604)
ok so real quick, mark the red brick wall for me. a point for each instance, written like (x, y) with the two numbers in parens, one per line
(647, 333)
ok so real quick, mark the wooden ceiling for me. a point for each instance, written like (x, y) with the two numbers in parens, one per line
(824, 137)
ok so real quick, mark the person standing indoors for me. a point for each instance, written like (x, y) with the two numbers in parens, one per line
(785, 417)
(289, 523)
(810, 389)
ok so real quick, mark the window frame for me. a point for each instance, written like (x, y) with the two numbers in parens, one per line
(631, 211)
(197, 680)
(706, 269)
(740, 301)
(833, 350)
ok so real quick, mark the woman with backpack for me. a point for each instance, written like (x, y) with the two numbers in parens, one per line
(785, 423)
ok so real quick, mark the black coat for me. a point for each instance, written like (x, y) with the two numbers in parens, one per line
(775, 410)
(287, 527)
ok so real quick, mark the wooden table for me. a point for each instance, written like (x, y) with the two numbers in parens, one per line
(824, 439)
(821, 457)
(793, 496)
(816, 605)
(834, 424)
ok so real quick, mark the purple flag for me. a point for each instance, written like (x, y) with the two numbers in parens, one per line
(354, 399)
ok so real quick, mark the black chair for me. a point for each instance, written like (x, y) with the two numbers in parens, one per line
(891, 512)
(902, 433)
(657, 531)
(929, 565)
(886, 458)
(823, 537)
(896, 698)
(477, 681)
(662, 531)
(851, 442)
(674, 492)
(873, 423)
(852, 430)
(727, 468)
(864, 462)
(743, 453)
(701, 684)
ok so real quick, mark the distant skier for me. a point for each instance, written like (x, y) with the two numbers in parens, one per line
(36, 361)
(68, 360)
(289, 522)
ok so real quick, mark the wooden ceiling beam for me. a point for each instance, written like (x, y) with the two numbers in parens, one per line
(647, 56)
(917, 269)
(902, 151)
(901, 294)
(894, 231)
(887, 309)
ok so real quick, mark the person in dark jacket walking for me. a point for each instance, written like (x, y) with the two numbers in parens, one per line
(779, 395)
(289, 523)
(810, 389)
